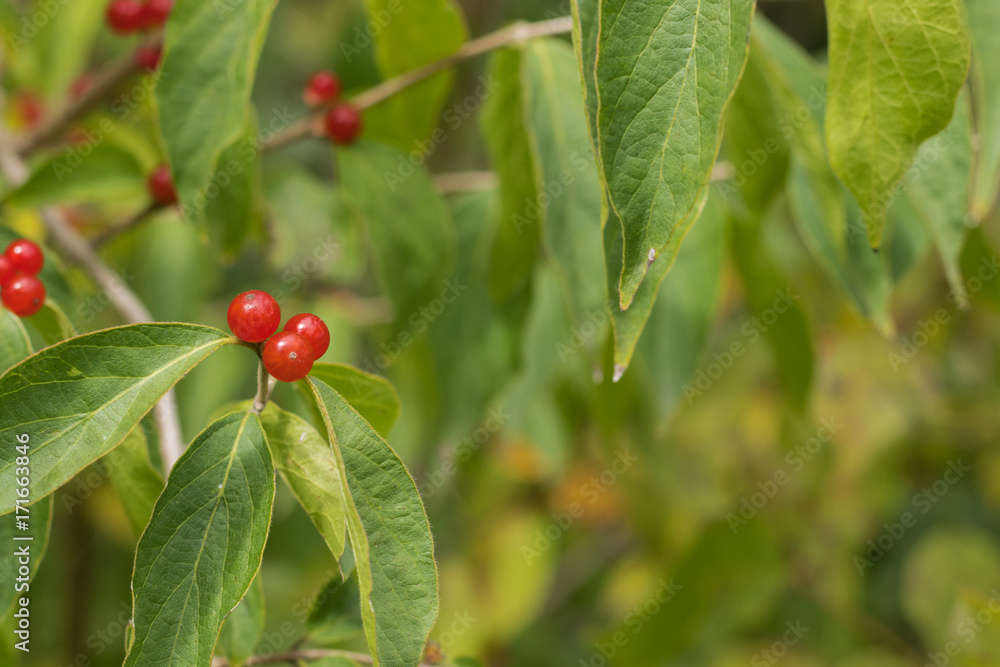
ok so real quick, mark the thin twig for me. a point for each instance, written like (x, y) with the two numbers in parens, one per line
(518, 32)
(104, 83)
(294, 656)
(464, 181)
(130, 223)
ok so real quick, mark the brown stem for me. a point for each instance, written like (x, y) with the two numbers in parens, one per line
(294, 656)
(518, 32)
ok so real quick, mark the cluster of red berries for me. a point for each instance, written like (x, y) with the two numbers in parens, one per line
(289, 354)
(21, 291)
(128, 16)
(343, 121)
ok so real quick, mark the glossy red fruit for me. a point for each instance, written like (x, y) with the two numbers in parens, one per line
(26, 257)
(148, 56)
(288, 356)
(161, 186)
(23, 295)
(323, 87)
(156, 12)
(254, 316)
(125, 16)
(343, 124)
(7, 269)
(313, 329)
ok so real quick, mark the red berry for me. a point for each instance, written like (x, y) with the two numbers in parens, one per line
(288, 356)
(148, 57)
(23, 295)
(343, 124)
(7, 269)
(313, 329)
(323, 87)
(254, 316)
(26, 257)
(156, 12)
(161, 186)
(124, 16)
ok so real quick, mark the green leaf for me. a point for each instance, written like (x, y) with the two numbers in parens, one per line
(413, 33)
(335, 614)
(629, 324)
(39, 519)
(309, 467)
(685, 308)
(137, 483)
(938, 185)
(209, 46)
(372, 396)
(895, 72)
(52, 324)
(984, 24)
(106, 174)
(663, 75)
(203, 546)
(73, 29)
(389, 534)
(234, 212)
(571, 215)
(503, 123)
(408, 221)
(79, 399)
(243, 629)
(14, 342)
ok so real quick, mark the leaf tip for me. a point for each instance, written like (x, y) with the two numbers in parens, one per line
(619, 372)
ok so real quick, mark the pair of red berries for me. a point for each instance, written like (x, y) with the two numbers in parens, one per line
(288, 355)
(21, 291)
(161, 186)
(128, 16)
(343, 122)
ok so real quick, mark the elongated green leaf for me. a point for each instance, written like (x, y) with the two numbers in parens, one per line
(984, 24)
(204, 544)
(895, 72)
(570, 212)
(209, 46)
(39, 522)
(938, 187)
(308, 465)
(137, 483)
(389, 533)
(663, 74)
(503, 122)
(106, 174)
(244, 627)
(413, 34)
(14, 342)
(408, 221)
(77, 400)
(372, 396)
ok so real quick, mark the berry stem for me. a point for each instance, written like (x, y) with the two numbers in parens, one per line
(517, 32)
(265, 385)
(111, 233)
(103, 84)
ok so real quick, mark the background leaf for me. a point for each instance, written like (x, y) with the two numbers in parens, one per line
(137, 483)
(244, 627)
(106, 174)
(204, 544)
(895, 71)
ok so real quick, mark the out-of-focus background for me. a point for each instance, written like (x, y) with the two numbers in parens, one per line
(709, 523)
